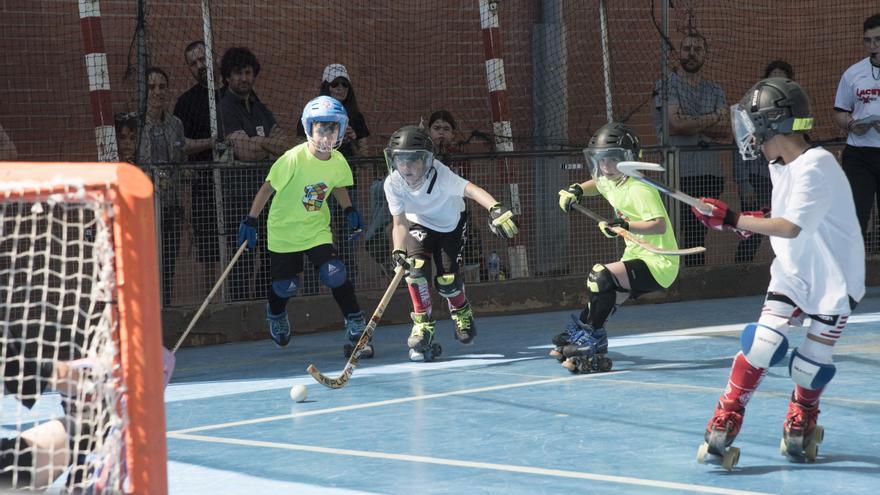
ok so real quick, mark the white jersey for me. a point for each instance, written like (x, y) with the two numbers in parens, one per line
(859, 92)
(437, 204)
(824, 265)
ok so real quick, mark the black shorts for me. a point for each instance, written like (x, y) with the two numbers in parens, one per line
(445, 247)
(285, 266)
(641, 281)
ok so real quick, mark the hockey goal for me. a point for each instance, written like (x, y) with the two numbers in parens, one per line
(80, 330)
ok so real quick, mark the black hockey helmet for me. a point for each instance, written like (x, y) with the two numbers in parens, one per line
(410, 152)
(772, 106)
(614, 142)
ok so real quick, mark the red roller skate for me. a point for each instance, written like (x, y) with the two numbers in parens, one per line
(801, 435)
(720, 433)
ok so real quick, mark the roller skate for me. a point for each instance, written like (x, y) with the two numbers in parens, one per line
(279, 327)
(354, 328)
(465, 330)
(720, 433)
(421, 339)
(563, 339)
(801, 435)
(586, 350)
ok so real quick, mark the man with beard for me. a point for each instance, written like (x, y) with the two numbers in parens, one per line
(250, 127)
(192, 109)
(697, 114)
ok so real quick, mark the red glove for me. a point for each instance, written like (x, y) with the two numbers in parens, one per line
(723, 218)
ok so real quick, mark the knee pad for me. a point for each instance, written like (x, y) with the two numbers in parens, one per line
(333, 273)
(808, 373)
(419, 269)
(286, 288)
(448, 285)
(763, 346)
(601, 281)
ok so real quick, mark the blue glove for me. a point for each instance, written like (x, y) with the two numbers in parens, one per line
(247, 231)
(355, 222)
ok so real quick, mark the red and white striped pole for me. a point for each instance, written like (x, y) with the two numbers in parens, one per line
(495, 79)
(99, 80)
(500, 108)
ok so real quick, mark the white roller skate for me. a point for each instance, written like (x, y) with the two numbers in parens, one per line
(801, 435)
(421, 339)
(354, 328)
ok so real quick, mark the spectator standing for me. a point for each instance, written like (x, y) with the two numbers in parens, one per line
(162, 143)
(697, 115)
(126, 136)
(856, 105)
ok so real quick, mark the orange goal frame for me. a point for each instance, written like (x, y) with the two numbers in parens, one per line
(130, 192)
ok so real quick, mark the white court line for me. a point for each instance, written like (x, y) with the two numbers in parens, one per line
(559, 473)
(390, 401)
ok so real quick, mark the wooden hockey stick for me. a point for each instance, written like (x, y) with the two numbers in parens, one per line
(632, 169)
(343, 377)
(635, 239)
(217, 285)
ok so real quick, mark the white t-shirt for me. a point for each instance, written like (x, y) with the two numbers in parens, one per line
(824, 265)
(440, 209)
(859, 92)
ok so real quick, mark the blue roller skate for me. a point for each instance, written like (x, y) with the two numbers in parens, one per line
(354, 328)
(563, 339)
(279, 327)
(587, 349)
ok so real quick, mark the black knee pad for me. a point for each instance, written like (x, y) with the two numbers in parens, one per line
(603, 289)
(448, 285)
(419, 268)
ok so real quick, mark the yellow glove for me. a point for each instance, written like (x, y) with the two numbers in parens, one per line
(501, 222)
(605, 227)
(568, 196)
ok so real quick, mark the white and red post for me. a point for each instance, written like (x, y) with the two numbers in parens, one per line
(99, 80)
(500, 109)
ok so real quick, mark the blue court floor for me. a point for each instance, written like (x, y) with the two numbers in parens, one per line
(500, 416)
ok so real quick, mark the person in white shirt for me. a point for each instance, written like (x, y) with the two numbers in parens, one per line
(426, 201)
(857, 111)
(819, 269)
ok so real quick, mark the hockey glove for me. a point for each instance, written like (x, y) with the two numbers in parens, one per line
(568, 196)
(723, 218)
(247, 231)
(398, 256)
(355, 222)
(501, 222)
(606, 227)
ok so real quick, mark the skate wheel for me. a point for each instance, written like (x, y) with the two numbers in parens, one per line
(604, 364)
(436, 349)
(702, 453)
(783, 449)
(811, 452)
(368, 352)
(585, 365)
(818, 434)
(730, 458)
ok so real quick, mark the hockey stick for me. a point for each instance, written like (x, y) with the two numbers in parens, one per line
(343, 377)
(632, 169)
(210, 295)
(647, 246)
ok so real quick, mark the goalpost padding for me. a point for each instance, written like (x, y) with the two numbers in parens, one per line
(79, 279)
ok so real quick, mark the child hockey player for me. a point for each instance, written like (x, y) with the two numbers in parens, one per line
(302, 180)
(638, 209)
(819, 268)
(426, 200)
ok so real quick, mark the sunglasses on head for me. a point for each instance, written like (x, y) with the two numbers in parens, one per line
(340, 82)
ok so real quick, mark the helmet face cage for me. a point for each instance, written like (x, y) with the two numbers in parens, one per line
(324, 109)
(603, 162)
(413, 165)
(744, 133)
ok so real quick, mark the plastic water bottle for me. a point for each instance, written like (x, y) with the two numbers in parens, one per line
(493, 265)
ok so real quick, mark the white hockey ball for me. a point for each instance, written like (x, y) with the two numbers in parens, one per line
(298, 393)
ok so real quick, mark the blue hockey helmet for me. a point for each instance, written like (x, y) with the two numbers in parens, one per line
(325, 109)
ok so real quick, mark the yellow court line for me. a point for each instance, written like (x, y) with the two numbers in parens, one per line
(559, 473)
